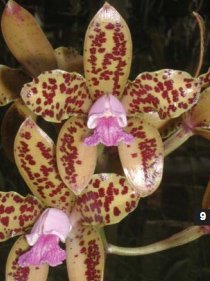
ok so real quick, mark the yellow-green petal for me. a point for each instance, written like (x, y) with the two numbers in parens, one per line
(142, 159)
(17, 213)
(26, 40)
(16, 273)
(107, 53)
(168, 92)
(35, 159)
(85, 254)
(76, 161)
(107, 199)
(56, 95)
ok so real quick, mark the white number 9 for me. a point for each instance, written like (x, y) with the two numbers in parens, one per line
(202, 216)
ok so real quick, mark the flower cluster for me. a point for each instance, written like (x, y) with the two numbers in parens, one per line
(71, 203)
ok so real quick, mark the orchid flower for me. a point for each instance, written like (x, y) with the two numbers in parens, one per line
(57, 95)
(57, 214)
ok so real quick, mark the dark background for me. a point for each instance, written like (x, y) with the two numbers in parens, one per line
(165, 35)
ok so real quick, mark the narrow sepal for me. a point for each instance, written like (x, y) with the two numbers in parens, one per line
(168, 92)
(35, 159)
(107, 199)
(85, 254)
(26, 40)
(57, 94)
(107, 53)
(142, 160)
(16, 273)
(76, 161)
(17, 213)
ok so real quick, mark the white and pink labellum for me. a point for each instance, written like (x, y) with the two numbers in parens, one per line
(168, 92)
(107, 117)
(51, 227)
(107, 53)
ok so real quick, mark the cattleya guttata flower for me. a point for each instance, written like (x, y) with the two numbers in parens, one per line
(57, 214)
(114, 108)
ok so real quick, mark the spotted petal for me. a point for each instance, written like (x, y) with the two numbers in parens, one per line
(76, 162)
(107, 199)
(17, 213)
(168, 92)
(107, 53)
(11, 122)
(142, 160)
(26, 40)
(35, 159)
(57, 94)
(69, 59)
(16, 273)
(85, 254)
(11, 82)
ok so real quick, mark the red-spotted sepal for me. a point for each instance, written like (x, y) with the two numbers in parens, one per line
(76, 161)
(35, 159)
(57, 94)
(107, 53)
(142, 159)
(168, 92)
(85, 254)
(17, 213)
(107, 199)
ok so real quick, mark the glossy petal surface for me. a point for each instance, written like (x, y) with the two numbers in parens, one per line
(26, 40)
(142, 160)
(57, 94)
(85, 255)
(35, 159)
(11, 122)
(107, 199)
(168, 92)
(69, 59)
(16, 273)
(11, 82)
(17, 213)
(76, 162)
(107, 53)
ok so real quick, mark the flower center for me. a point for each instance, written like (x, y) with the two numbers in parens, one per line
(107, 117)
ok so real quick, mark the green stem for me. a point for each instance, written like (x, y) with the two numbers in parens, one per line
(183, 237)
(177, 139)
